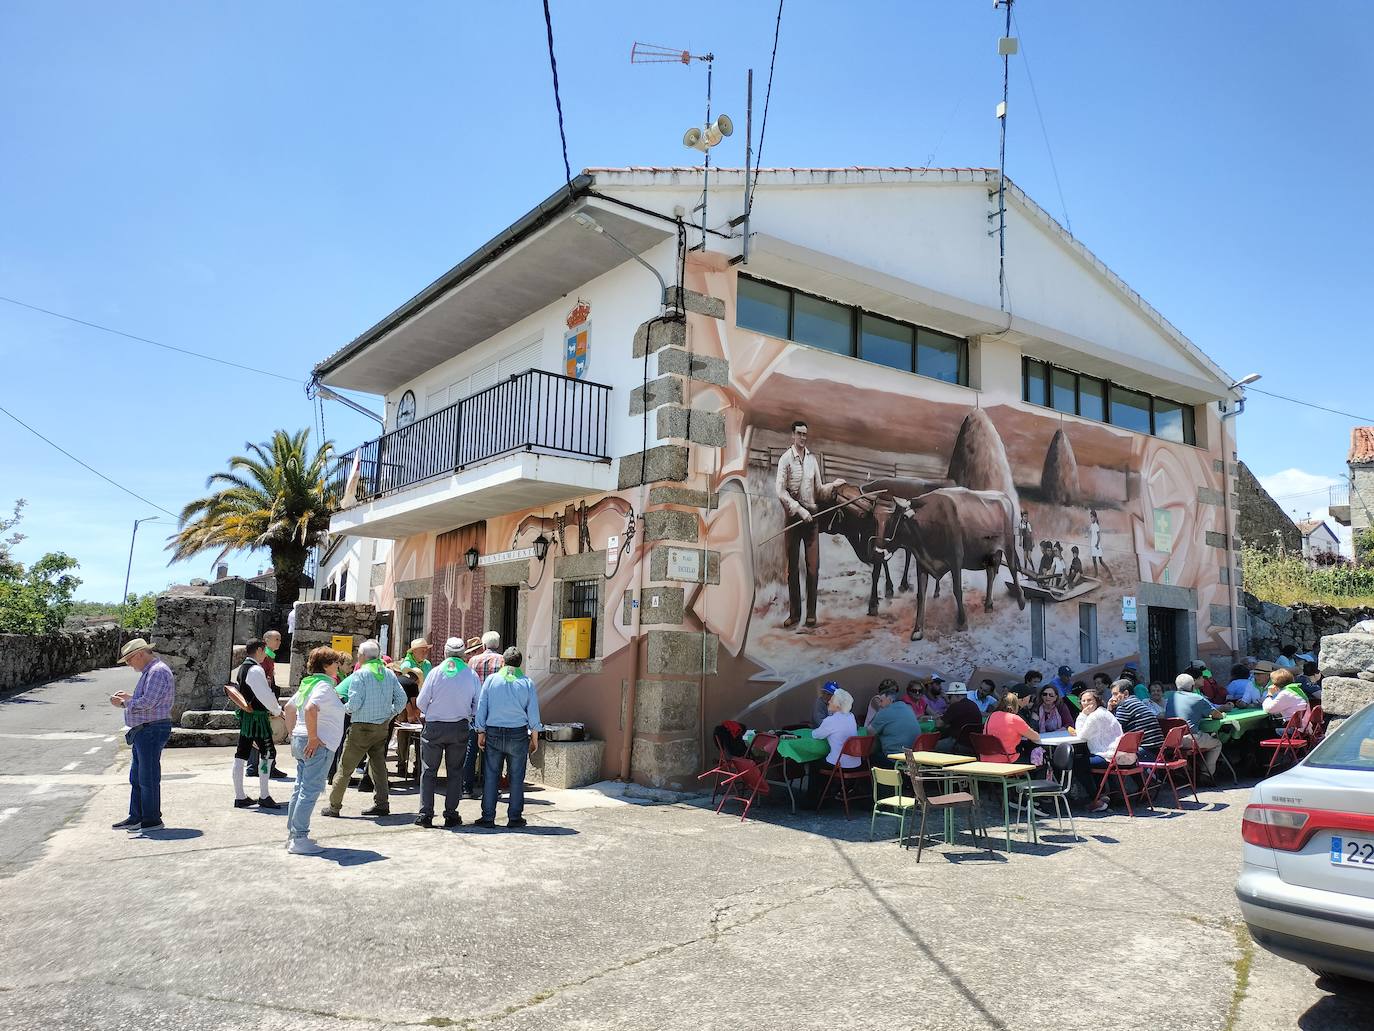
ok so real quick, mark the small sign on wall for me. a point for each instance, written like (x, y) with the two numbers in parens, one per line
(342, 643)
(577, 341)
(684, 564)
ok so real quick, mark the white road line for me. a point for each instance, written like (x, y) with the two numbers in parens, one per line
(92, 751)
(42, 789)
(57, 735)
(70, 766)
(109, 739)
(5, 814)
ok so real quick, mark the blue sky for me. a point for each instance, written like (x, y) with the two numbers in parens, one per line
(262, 182)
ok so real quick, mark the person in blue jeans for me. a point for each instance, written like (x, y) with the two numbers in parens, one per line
(315, 740)
(148, 717)
(507, 730)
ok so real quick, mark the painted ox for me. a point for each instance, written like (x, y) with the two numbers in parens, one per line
(949, 530)
(859, 515)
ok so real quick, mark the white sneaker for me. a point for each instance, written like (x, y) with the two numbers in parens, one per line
(303, 847)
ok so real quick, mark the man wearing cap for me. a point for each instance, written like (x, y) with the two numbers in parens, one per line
(418, 657)
(484, 657)
(962, 718)
(935, 700)
(1063, 681)
(148, 715)
(447, 701)
(374, 695)
(820, 708)
(507, 730)
(1207, 684)
(895, 724)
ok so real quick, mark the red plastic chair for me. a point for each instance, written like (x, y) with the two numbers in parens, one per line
(726, 766)
(1171, 757)
(1292, 741)
(1126, 743)
(926, 742)
(989, 749)
(858, 746)
(1316, 725)
(751, 777)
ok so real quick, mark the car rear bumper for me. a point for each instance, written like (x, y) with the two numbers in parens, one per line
(1323, 929)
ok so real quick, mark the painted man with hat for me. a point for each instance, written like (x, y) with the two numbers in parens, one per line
(448, 701)
(148, 715)
(484, 657)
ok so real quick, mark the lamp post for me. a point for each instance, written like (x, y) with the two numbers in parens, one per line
(1238, 387)
(124, 598)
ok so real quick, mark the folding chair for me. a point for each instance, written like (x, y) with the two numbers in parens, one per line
(898, 803)
(751, 778)
(926, 742)
(856, 746)
(989, 749)
(1171, 757)
(726, 766)
(1056, 788)
(1292, 741)
(947, 801)
(1127, 743)
(1316, 725)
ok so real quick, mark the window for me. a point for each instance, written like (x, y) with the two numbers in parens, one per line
(843, 329)
(822, 324)
(1087, 634)
(1037, 621)
(1349, 747)
(889, 343)
(1064, 391)
(343, 584)
(1130, 409)
(415, 618)
(940, 356)
(582, 600)
(763, 307)
(1033, 382)
(1067, 391)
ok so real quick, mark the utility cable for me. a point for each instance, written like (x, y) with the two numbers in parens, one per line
(1043, 132)
(1322, 408)
(557, 100)
(767, 96)
(89, 468)
(144, 340)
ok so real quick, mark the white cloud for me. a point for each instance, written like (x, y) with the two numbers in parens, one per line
(1300, 494)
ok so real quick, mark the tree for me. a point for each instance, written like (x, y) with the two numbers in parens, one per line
(35, 600)
(276, 498)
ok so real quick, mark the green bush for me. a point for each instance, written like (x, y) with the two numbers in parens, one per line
(1285, 580)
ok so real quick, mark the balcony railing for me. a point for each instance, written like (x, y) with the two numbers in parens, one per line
(1339, 496)
(535, 411)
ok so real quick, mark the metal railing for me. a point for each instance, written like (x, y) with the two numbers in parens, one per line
(534, 411)
(1339, 496)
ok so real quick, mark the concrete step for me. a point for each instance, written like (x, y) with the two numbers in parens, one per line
(183, 737)
(212, 719)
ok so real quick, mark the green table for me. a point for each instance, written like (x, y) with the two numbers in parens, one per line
(802, 748)
(1236, 723)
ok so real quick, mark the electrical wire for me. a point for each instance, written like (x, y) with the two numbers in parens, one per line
(1322, 408)
(144, 340)
(1035, 97)
(557, 100)
(89, 468)
(767, 96)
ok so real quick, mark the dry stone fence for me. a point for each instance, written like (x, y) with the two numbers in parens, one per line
(194, 634)
(319, 622)
(1347, 665)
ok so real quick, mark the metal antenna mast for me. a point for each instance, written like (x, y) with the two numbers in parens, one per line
(1006, 46)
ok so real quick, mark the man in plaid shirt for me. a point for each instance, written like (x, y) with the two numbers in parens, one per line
(148, 715)
(484, 659)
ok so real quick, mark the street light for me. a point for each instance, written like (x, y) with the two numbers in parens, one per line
(329, 395)
(124, 598)
(587, 222)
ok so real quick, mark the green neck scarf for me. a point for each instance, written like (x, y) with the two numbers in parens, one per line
(375, 665)
(512, 672)
(1299, 692)
(453, 664)
(270, 654)
(308, 684)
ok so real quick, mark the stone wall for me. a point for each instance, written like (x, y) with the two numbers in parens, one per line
(318, 621)
(32, 659)
(1347, 665)
(1274, 626)
(1259, 515)
(194, 635)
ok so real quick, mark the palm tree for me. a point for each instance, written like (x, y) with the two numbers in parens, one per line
(277, 497)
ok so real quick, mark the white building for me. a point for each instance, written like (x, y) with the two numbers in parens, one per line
(1318, 539)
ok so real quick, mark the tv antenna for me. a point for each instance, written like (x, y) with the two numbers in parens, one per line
(711, 132)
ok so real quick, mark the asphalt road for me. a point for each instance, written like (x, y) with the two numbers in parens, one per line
(57, 744)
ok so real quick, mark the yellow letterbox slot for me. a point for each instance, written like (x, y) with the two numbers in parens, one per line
(574, 638)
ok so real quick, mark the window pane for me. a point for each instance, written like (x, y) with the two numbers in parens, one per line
(1090, 399)
(1168, 420)
(1063, 391)
(761, 307)
(937, 355)
(1189, 427)
(1033, 382)
(1130, 409)
(822, 324)
(886, 343)
(1349, 747)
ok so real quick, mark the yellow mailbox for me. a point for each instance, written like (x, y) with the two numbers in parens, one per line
(575, 638)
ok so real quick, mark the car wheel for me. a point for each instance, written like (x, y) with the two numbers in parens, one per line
(1344, 980)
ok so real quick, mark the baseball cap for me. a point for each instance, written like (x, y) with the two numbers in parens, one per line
(1065, 671)
(935, 678)
(830, 687)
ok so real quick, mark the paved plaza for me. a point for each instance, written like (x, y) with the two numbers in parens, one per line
(606, 912)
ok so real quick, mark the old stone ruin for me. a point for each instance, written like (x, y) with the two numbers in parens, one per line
(1347, 665)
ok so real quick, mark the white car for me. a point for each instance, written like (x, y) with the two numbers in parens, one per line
(1306, 888)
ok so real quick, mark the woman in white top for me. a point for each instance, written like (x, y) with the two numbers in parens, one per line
(1284, 697)
(314, 740)
(837, 728)
(1100, 731)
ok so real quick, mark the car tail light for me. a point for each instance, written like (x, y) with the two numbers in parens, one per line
(1282, 828)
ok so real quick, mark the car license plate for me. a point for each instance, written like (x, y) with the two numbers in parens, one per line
(1352, 852)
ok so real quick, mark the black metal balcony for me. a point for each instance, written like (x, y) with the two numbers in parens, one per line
(535, 411)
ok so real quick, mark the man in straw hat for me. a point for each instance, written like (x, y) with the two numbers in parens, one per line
(417, 657)
(148, 715)
(448, 701)
(484, 658)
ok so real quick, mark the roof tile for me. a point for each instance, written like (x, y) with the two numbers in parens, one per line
(1361, 445)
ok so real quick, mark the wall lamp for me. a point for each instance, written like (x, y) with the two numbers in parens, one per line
(587, 222)
(471, 555)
